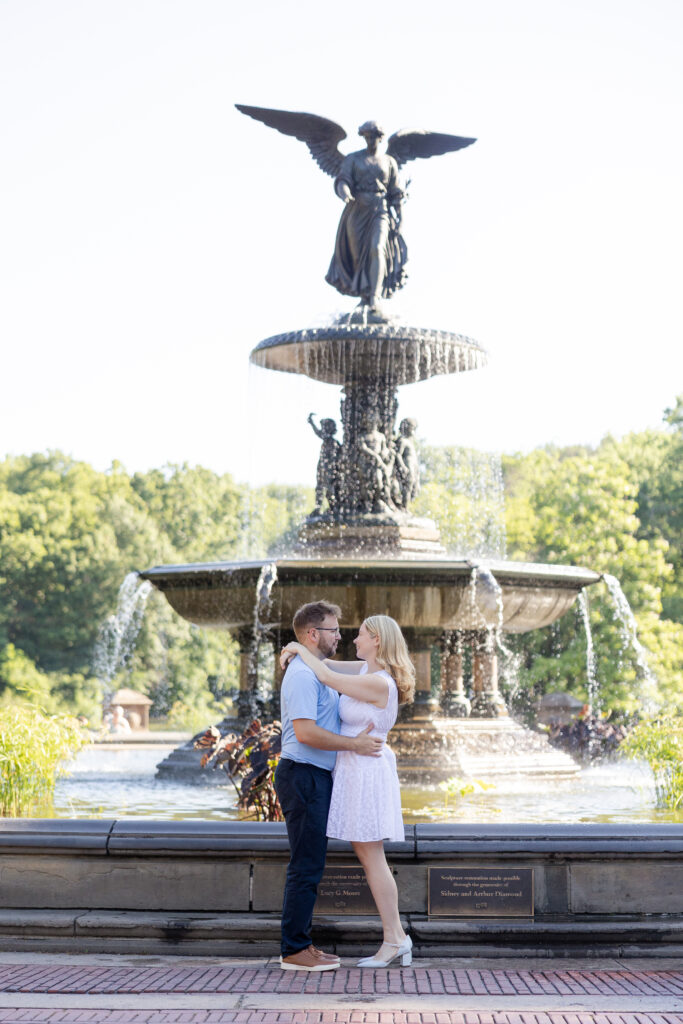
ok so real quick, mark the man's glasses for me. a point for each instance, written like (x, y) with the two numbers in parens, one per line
(329, 629)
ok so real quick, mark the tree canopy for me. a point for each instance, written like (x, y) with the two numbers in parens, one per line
(69, 535)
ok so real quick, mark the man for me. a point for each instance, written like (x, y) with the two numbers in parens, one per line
(303, 780)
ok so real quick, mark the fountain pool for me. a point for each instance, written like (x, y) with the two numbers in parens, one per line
(108, 782)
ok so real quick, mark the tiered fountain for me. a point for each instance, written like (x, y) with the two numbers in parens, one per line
(361, 547)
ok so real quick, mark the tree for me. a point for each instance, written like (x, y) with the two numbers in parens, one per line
(580, 507)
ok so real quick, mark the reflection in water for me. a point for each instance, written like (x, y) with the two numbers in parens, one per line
(115, 783)
(618, 792)
(119, 783)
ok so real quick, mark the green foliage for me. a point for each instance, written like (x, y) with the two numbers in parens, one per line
(659, 742)
(68, 537)
(193, 717)
(461, 489)
(454, 787)
(22, 683)
(275, 513)
(250, 761)
(33, 749)
(582, 507)
(200, 514)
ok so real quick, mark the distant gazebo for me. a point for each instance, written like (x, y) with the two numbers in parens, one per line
(135, 705)
(558, 708)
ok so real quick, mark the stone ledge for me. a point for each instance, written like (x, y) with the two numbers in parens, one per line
(240, 934)
(263, 839)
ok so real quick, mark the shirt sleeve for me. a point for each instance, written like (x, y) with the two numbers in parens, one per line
(302, 696)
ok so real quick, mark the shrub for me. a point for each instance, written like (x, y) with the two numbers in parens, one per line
(33, 749)
(659, 741)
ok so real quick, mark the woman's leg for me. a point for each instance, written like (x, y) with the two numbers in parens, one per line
(385, 894)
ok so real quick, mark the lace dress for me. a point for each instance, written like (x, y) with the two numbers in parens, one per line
(366, 797)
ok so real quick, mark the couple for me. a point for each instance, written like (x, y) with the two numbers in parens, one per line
(335, 718)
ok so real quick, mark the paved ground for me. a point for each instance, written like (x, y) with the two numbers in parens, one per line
(119, 989)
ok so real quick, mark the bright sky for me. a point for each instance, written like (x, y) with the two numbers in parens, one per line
(151, 235)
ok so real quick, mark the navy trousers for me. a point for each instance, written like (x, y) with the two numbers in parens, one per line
(304, 792)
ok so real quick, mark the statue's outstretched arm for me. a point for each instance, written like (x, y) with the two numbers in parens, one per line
(320, 135)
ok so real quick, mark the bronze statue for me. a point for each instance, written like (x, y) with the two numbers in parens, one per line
(327, 478)
(407, 463)
(370, 253)
(373, 464)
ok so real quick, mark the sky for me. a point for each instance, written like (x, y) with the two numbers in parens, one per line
(151, 236)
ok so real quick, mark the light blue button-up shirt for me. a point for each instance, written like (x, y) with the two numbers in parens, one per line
(304, 696)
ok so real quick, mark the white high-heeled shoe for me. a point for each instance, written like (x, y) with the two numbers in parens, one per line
(403, 949)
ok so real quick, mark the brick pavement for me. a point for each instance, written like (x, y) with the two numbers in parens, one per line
(127, 1016)
(40, 989)
(80, 978)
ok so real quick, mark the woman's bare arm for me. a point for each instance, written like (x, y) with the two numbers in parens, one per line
(370, 688)
(347, 668)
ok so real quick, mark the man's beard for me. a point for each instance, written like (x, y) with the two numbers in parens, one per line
(328, 648)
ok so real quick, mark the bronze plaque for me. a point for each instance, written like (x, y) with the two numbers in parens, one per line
(343, 889)
(481, 892)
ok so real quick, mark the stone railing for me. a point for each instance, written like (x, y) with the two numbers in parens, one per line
(198, 886)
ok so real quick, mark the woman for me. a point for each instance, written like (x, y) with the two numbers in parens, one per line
(366, 799)
(370, 253)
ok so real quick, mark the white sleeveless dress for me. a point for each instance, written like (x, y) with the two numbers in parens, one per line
(366, 797)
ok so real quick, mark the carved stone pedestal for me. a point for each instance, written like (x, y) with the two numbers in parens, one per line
(486, 699)
(454, 703)
(407, 535)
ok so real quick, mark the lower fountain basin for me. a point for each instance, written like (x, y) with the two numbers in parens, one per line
(425, 595)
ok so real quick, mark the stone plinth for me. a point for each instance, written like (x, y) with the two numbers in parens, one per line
(405, 538)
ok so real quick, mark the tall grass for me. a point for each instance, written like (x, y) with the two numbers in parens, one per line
(659, 741)
(33, 749)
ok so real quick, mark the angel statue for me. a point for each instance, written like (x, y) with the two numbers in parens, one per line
(370, 253)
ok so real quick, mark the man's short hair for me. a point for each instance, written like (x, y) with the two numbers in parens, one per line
(311, 615)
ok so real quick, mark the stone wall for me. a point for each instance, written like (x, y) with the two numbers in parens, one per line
(196, 886)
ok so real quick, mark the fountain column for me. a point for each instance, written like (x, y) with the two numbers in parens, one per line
(246, 639)
(486, 700)
(454, 703)
(420, 646)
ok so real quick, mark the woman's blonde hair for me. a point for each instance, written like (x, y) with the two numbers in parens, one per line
(392, 654)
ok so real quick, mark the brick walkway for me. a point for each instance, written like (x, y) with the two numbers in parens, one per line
(58, 978)
(77, 1016)
(53, 990)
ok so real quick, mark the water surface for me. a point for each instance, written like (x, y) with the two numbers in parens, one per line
(107, 782)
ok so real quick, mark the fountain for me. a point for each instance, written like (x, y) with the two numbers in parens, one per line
(197, 886)
(361, 547)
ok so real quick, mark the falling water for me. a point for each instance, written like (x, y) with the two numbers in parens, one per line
(264, 586)
(117, 635)
(629, 638)
(476, 492)
(591, 672)
(259, 692)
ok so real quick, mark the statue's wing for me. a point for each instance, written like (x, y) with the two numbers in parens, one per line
(408, 144)
(320, 135)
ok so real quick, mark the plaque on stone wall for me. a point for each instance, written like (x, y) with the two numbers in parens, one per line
(343, 889)
(481, 892)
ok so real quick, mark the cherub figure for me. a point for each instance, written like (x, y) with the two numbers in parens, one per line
(407, 463)
(374, 466)
(327, 476)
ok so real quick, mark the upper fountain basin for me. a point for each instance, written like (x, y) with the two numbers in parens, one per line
(394, 353)
(426, 595)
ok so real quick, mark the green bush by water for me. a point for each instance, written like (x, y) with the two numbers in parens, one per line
(659, 741)
(33, 749)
